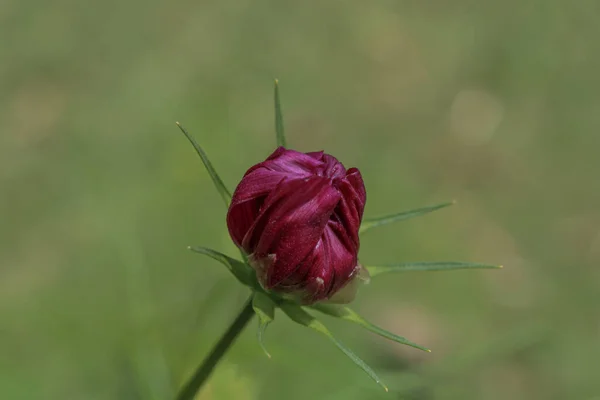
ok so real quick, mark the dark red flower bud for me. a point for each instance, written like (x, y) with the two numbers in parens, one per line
(297, 217)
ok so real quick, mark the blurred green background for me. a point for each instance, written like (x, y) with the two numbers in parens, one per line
(495, 104)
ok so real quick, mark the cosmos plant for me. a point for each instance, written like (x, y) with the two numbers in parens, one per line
(296, 219)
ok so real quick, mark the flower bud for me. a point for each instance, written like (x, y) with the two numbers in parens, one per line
(297, 218)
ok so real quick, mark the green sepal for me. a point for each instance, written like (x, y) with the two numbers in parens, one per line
(279, 131)
(225, 194)
(241, 271)
(264, 308)
(369, 223)
(426, 266)
(348, 314)
(300, 316)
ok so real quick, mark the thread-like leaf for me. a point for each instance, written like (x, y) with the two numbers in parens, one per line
(279, 131)
(427, 266)
(298, 315)
(348, 314)
(225, 194)
(241, 271)
(264, 308)
(370, 223)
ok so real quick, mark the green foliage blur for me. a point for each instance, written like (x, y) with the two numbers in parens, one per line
(495, 104)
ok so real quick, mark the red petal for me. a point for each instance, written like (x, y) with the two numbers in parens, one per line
(343, 252)
(259, 181)
(247, 201)
(290, 224)
(333, 168)
(333, 264)
(292, 162)
(355, 180)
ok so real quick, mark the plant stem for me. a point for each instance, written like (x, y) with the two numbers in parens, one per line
(210, 362)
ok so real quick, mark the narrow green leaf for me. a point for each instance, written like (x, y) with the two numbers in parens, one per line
(264, 307)
(348, 314)
(298, 315)
(225, 194)
(241, 271)
(279, 131)
(427, 266)
(369, 223)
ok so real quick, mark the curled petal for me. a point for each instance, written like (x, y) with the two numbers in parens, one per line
(260, 180)
(290, 224)
(248, 199)
(333, 168)
(350, 209)
(333, 267)
(291, 162)
(297, 216)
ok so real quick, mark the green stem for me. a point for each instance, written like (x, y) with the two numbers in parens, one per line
(188, 392)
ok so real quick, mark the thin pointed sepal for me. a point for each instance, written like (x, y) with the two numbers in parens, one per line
(279, 130)
(219, 185)
(375, 270)
(264, 308)
(350, 315)
(300, 316)
(370, 223)
(241, 271)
